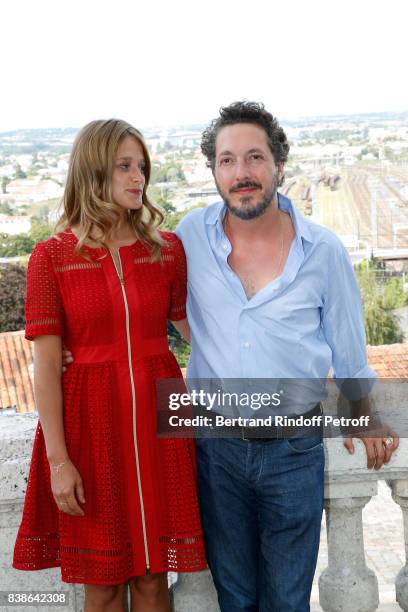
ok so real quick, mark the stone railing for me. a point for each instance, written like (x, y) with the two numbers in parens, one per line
(346, 585)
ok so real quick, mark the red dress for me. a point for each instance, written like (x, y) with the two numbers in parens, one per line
(141, 510)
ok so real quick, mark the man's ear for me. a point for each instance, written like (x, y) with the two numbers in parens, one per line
(281, 173)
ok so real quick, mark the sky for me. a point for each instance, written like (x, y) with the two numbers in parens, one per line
(158, 63)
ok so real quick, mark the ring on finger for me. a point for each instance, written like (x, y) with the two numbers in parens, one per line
(388, 442)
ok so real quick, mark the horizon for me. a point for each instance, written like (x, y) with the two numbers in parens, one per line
(282, 121)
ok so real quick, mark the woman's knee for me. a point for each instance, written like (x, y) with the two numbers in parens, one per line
(103, 594)
(150, 586)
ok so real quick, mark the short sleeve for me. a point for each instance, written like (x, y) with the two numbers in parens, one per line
(177, 310)
(43, 308)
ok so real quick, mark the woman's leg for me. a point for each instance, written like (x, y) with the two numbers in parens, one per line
(105, 598)
(150, 593)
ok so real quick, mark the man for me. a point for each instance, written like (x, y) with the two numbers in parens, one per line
(271, 295)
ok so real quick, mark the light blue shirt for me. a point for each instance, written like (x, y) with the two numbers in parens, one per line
(297, 326)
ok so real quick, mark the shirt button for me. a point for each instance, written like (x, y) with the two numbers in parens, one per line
(246, 345)
(225, 246)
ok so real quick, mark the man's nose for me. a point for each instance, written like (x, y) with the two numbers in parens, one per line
(242, 171)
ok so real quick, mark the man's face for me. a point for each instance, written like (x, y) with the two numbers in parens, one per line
(245, 172)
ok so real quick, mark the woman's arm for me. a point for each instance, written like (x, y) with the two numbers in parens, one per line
(66, 482)
(48, 395)
(183, 328)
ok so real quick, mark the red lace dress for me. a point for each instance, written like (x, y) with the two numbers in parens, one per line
(141, 510)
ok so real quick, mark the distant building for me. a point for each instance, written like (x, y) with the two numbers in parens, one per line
(14, 225)
(33, 190)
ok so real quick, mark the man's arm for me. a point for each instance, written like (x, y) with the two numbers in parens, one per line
(343, 327)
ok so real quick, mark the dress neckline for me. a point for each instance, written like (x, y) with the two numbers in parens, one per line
(125, 246)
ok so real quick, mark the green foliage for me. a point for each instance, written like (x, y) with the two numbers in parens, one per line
(19, 173)
(12, 297)
(4, 182)
(178, 346)
(381, 324)
(172, 219)
(40, 230)
(14, 245)
(5, 209)
(161, 199)
(167, 172)
(394, 294)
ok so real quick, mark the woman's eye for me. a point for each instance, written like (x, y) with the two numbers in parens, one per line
(142, 169)
(124, 166)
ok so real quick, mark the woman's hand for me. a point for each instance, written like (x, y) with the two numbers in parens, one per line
(67, 358)
(67, 488)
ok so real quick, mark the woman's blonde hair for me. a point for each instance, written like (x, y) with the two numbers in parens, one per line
(87, 201)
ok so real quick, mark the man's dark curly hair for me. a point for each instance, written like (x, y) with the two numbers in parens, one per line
(246, 112)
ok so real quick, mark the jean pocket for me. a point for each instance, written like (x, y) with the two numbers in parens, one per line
(304, 445)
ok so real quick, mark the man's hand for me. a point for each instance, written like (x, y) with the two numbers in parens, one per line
(66, 358)
(379, 450)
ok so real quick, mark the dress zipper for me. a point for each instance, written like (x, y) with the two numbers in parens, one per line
(119, 271)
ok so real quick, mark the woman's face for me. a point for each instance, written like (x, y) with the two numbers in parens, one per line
(128, 176)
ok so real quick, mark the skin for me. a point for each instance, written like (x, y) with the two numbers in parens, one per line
(150, 592)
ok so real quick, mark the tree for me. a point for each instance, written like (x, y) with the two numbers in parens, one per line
(169, 171)
(381, 324)
(19, 173)
(178, 346)
(12, 297)
(161, 199)
(12, 245)
(40, 230)
(172, 219)
(4, 182)
(394, 294)
(5, 208)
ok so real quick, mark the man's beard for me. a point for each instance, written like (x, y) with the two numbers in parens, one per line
(247, 212)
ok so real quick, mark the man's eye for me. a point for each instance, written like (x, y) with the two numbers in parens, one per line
(256, 156)
(225, 160)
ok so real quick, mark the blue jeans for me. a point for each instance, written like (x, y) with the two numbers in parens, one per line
(261, 506)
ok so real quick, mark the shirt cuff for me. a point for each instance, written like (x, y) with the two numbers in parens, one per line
(357, 386)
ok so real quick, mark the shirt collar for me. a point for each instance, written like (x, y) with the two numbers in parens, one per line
(216, 215)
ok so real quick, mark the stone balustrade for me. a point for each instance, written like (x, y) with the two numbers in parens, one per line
(346, 585)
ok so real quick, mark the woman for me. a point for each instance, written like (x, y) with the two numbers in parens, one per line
(106, 499)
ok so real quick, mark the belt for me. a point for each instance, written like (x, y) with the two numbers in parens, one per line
(267, 434)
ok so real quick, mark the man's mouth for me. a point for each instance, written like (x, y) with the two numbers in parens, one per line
(246, 187)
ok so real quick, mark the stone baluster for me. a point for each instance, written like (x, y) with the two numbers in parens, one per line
(16, 435)
(195, 592)
(400, 496)
(347, 584)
